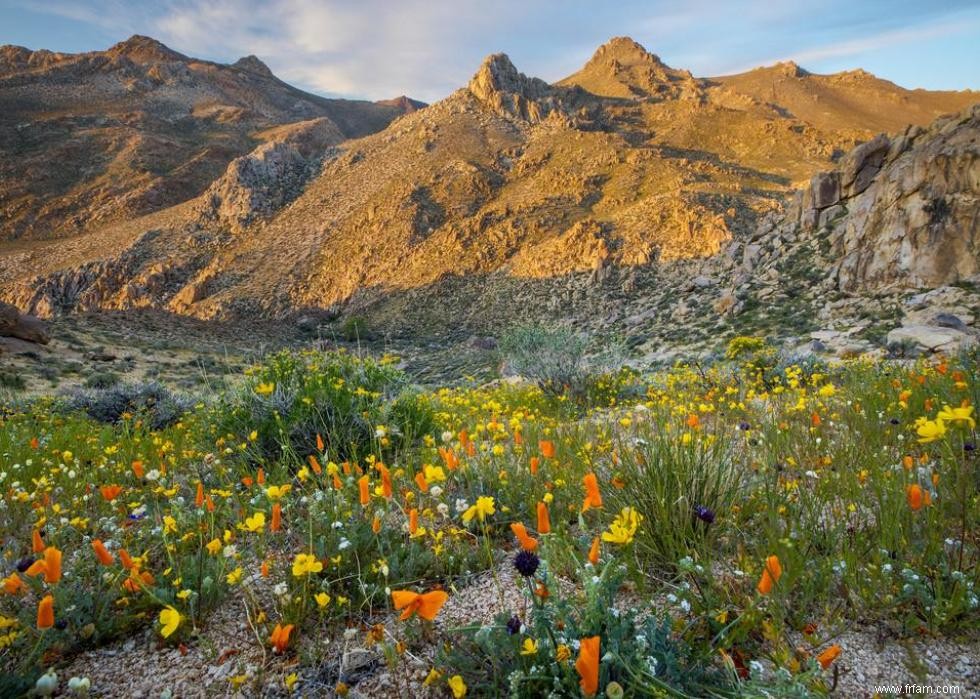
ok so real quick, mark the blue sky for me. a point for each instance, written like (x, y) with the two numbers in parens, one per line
(427, 48)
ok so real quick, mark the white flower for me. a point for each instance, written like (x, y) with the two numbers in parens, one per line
(447, 436)
(436, 491)
(280, 590)
(344, 544)
(443, 509)
(229, 551)
(461, 505)
(153, 475)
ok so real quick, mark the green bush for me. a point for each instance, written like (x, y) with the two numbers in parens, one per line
(352, 403)
(555, 358)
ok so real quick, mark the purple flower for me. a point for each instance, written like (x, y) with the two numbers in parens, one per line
(705, 514)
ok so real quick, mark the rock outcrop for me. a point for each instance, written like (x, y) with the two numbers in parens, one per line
(13, 323)
(903, 211)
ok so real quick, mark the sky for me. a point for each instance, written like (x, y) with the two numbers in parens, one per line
(377, 49)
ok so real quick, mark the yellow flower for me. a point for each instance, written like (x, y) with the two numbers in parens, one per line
(529, 647)
(290, 681)
(322, 598)
(264, 389)
(930, 430)
(169, 524)
(434, 474)
(184, 594)
(457, 686)
(624, 527)
(169, 620)
(275, 492)
(255, 523)
(827, 390)
(306, 564)
(563, 653)
(433, 677)
(234, 576)
(214, 546)
(948, 414)
(481, 510)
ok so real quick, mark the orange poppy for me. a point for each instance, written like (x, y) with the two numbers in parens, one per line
(592, 496)
(544, 520)
(547, 448)
(110, 492)
(413, 521)
(137, 467)
(314, 464)
(770, 576)
(693, 421)
(528, 543)
(386, 489)
(337, 483)
(247, 481)
(124, 558)
(376, 525)
(362, 485)
(319, 443)
(37, 543)
(209, 503)
(264, 569)
(535, 463)
(12, 584)
(449, 458)
(426, 605)
(815, 420)
(35, 443)
(421, 482)
(594, 552)
(827, 657)
(260, 477)
(276, 523)
(587, 665)
(199, 498)
(280, 637)
(915, 496)
(102, 553)
(908, 462)
(45, 613)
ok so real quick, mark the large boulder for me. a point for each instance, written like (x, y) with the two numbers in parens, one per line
(25, 327)
(932, 338)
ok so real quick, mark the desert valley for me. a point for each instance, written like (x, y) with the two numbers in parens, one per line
(635, 383)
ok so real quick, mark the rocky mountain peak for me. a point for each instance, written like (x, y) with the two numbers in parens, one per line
(144, 49)
(625, 51)
(501, 87)
(252, 64)
(622, 68)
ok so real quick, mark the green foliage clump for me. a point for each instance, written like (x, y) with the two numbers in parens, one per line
(352, 403)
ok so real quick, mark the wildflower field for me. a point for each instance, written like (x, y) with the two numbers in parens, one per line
(701, 531)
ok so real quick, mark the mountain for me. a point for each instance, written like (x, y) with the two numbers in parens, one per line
(90, 139)
(589, 199)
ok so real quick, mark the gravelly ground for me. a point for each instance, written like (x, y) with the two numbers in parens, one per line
(227, 647)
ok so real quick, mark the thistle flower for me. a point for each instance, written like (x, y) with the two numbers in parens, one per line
(526, 563)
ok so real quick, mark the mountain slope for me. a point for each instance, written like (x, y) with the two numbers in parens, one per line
(89, 139)
(507, 188)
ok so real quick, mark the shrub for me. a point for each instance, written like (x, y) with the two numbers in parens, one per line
(555, 358)
(355, 328)
(102, 379)
(152, 401)
(12, 380)
(350, 402)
